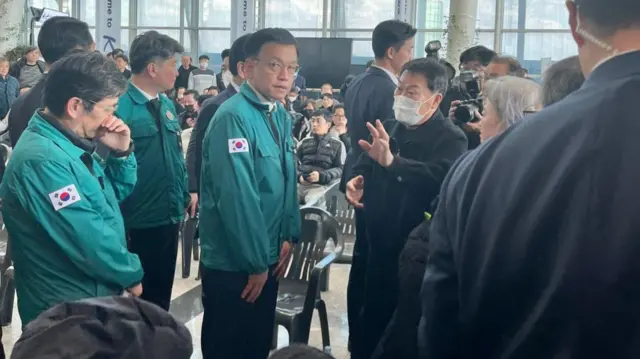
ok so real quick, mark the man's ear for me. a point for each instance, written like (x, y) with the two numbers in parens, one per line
(574, 22)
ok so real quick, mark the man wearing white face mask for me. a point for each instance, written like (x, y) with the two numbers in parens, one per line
(202, 78)
(396, 179)
(534, 246)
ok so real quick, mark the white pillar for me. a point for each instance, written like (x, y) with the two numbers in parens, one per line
(461, 29)
(11, 24)
(404, 11)
(108, 18)
(243, 18)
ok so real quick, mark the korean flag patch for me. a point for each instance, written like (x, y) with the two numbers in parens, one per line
(64, 197)
(237, 145)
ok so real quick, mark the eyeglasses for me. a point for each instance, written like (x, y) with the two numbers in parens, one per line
(108, 109)
(276, 66)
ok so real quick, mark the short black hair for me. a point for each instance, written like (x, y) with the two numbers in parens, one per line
(327, 95)
(324, 113)
(152, 46)
(390, 33)
(123, 57)
(479, 53)
(89, 76)
(225, 53)
(299, 351)
(118, 51)
(59, 35)
(337, 107)
(433, 72)
(561, 79)
(307, 102)
(203, 98)
(515, 69)
(237, 53)
(271, 35)
(212, 88)
(192, 92)
(203, 57)
(610, 16)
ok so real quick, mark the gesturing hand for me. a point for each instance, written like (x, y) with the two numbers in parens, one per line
(355, 190)
(114, 134)
(378, 150)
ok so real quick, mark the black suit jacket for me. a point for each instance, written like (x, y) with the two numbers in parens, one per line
(23, 109)
(194, 150)
(535, 243)
(220, 83)
(369, 97)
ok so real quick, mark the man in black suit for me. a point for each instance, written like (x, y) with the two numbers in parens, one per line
(369, 97)
(224, 71)
(534, 246)
(237, 57)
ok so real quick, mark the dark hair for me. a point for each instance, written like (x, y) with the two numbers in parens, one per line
(152, 46)
(237, 53)
(307, 102)
(433, 72)
(118, 51)
(299, 351)
(324, 113)
(337, 107)
(203, 98)
(30, 49)
(561, 79)
(610, 16)
(203, 57)
(123, 57)
(212, 88)
(272, 35)
(390, 33)
(478, 53)
(515, 69)
(89, 76)
(225, 53)
(327, 95)
(59, 35)
(192, 92)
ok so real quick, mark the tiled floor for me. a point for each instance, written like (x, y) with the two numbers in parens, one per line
(187, 308)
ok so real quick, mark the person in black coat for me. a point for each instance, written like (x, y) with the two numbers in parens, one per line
(208, 109)
(534, 245)
(220, 80)
(184, 72)
(396, 180)
(369, 97)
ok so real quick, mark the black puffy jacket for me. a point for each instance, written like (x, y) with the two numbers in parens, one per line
(325, 154)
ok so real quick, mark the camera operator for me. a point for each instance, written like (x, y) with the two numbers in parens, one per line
(396, 179)
(187, 119)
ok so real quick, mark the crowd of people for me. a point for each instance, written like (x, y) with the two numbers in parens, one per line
(493, 214)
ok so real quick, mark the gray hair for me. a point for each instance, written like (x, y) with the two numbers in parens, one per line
(561, 79)
(511, 96)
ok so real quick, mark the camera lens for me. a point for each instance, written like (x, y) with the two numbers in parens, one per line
(464, 113)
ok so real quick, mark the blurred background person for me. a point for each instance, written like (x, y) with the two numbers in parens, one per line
(294, 101)
(503, 66)
(340, 128)
(184, 71)
(61, 201)
(187, 119)
(29, 69)
(202, 77)
(326, 102)
(561, 79)
(225, 75)
(9, 88)
(58, 36)
(122, 61)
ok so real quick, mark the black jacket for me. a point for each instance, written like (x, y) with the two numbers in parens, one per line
(23, 109)
(194, 150)
(183, 77)
(17, 67)
(396, 198)
(110, 327)
(369, 97)
(220, 83)
(325, 154)
(534, 246)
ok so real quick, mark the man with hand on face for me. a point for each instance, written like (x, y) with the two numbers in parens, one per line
(203, 77)
(249, 214)
(396, 180)
(156, 207)
(60, 198)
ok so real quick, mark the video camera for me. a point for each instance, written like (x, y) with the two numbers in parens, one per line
(432, 49)
(471, 88)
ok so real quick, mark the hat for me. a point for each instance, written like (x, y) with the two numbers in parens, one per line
(109, 327)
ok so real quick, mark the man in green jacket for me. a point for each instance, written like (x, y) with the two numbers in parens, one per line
(156, 207)
(249, 211)
(60, 199)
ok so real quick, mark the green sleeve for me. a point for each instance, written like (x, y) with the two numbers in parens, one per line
(78, 229)
(123, 173)
(235, 191)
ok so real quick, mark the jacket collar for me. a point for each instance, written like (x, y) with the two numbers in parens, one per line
(617, 67)
(136, 94)
(68, 141)
(378, 71)
(257, 100)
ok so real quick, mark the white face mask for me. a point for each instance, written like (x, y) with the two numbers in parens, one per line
(204, 65)
(292, 98)
(406, 110)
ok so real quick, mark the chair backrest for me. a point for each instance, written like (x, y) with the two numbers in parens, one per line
(318, 227)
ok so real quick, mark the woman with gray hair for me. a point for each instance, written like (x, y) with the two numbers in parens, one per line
(507, 100)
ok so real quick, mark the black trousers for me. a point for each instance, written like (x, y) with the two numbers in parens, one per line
(357, 279)
(157, 248)
(231, 327)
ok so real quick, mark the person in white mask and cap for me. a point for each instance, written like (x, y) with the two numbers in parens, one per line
(534, 247)
(203, 77)
(396, 179)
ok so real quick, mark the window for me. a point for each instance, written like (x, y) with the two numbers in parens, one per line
(294, 14)
(366, 14)
(88, 12)
(556, 46)
(159, 13)
(434, 14)
(317, 33)
(212, 42)
(215, 13)
(362, 48)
